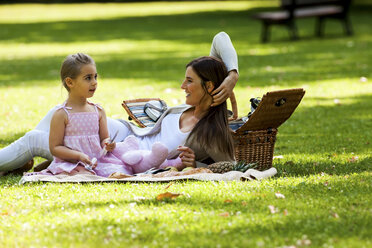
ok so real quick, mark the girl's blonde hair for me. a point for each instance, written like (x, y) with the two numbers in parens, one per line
(72, 64)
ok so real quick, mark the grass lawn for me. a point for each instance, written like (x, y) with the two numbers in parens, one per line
(141, 50)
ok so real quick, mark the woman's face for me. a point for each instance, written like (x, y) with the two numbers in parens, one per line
(193, 87)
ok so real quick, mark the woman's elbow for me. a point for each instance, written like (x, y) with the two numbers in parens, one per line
(221, 34)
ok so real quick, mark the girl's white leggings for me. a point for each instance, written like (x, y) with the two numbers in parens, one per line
(35, 143)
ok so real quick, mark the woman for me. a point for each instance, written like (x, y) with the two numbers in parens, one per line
(196, 132)
(194, 120)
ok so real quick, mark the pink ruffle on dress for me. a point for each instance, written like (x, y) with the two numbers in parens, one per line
(82, 134)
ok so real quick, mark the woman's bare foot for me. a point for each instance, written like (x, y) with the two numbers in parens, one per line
(42, 166)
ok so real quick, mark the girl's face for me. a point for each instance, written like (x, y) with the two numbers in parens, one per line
(193, 87)
(85, 84)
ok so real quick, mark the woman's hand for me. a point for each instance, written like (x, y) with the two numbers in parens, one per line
(187, 156)
(225, 89)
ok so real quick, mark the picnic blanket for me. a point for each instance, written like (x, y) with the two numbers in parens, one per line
(199, 174)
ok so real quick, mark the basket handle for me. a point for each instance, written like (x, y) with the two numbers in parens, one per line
(234, 107)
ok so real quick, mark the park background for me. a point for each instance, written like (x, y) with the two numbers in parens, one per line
(141, 49)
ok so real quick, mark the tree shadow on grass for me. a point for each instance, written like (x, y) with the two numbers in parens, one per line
(305, 168)
(177, 28)
(287, 69)
(189, 28)
(290, 62)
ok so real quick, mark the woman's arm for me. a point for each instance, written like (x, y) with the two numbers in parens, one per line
(223, 49)
(56, 138)
(187, 156)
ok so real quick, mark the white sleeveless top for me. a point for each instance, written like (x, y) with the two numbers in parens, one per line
(170, 134)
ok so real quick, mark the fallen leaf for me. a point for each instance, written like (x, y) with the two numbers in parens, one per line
(119, 175)
(268, 68)
(8, 212)
(228, 201)
(140, 198)
(363, 79)
(167, 187)
(335, 215)
(167, 195)
(244, 203)
(285, 212)
(273, 209)
(116, 190)
(224, 214)
(303, 242)
(353, 159)
(279, 195)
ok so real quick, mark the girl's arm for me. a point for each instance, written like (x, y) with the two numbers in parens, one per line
(103, 132)
(56, 137)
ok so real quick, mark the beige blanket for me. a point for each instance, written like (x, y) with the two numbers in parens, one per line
(198, 174)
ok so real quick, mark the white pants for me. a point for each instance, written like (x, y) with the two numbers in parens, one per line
(35, 143)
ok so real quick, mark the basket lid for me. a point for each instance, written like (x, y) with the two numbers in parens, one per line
(273, 110)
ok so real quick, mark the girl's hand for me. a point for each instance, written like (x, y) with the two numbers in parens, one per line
(110, 146)
(187, 156)
(85, 159)
(234, 107)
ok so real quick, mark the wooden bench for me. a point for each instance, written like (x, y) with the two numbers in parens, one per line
(293, 9)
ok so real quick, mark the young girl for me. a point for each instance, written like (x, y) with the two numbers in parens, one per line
(78, 130)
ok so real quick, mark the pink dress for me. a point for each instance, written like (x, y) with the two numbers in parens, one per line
(82, 134)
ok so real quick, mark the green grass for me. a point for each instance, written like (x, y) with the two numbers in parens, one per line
(141, 50)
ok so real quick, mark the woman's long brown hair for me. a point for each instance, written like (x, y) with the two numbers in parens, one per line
(212, 130)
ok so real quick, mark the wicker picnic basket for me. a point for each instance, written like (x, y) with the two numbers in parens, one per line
(255, 139)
